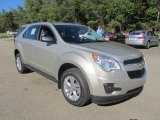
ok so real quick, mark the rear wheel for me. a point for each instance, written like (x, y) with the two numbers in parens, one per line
(148, 45)
(20, 65)
(74, 87)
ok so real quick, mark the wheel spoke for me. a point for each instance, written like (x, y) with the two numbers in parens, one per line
(72, 79)
(75, 96)
(67, 84)
(19, 66)
(72, 88)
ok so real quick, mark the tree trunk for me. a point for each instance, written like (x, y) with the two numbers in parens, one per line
(158, 15)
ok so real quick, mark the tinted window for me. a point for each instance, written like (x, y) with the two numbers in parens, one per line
(32, 32)
(46, 31)
(20, 30)
(78, 34)
(149, 33)
(137, 33)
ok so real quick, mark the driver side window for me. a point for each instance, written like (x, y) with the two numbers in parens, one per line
(46, 32)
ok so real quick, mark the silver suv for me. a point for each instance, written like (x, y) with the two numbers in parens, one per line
(85, 66)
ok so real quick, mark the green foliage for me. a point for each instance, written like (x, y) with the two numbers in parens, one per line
(125, 14)
(114, 24)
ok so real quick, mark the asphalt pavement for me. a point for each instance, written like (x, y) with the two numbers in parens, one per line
(33, 97)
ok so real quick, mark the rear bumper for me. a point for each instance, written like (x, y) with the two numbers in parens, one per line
(118, 98)
(135, 42)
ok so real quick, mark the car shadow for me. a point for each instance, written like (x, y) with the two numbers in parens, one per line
(142, 47)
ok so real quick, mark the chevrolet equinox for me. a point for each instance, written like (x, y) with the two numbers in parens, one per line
(85, 66)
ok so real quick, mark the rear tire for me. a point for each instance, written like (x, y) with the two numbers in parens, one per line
(148, 45)
(74, 87)
(20, 65)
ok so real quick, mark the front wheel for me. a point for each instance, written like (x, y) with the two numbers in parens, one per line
(74, 87)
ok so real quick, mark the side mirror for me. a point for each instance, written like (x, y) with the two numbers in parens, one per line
(47, 39)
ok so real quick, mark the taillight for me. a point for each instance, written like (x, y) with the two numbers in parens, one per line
(126, 36)
(141, 37)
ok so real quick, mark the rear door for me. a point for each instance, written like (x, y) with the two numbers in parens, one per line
(148, 37)
(154, 38)
(29, 42)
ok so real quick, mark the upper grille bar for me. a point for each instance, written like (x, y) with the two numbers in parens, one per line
(133, 61)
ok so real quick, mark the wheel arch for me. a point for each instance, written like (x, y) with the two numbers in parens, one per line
(63, 68)
(16, 51)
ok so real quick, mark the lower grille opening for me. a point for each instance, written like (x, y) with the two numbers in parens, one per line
(136, 74)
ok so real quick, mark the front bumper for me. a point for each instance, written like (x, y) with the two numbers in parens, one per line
(116, 83)
(118, 98)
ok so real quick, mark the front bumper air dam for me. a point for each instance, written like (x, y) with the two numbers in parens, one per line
(115, 99)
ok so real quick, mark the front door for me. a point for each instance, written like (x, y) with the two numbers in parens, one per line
(45, 52)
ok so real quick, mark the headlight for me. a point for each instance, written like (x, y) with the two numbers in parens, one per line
(106, 63)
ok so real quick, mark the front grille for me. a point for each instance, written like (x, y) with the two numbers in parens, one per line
(133, 61)
(136, 74)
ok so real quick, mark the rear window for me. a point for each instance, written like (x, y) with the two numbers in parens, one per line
(137, 33)
(20, 30)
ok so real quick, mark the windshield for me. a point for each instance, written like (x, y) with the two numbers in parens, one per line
(78, 34)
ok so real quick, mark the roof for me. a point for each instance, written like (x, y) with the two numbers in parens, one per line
(54, 23)
(63, 23)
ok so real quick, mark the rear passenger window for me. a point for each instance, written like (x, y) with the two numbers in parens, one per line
(20, 30)
(149, 33)
(32, 32)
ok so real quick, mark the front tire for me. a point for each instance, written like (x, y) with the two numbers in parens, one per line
(74, 87)
(20, 65)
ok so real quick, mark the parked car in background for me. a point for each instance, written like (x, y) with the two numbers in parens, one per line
(144, 38)
(118, 37)
(108, 36)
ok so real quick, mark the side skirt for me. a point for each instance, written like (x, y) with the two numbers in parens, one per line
(42, 73)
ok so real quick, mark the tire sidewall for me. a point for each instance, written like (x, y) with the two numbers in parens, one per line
(148, 45)
(84, 96)
(22, 65)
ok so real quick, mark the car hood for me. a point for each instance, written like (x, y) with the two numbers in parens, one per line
(115, 50)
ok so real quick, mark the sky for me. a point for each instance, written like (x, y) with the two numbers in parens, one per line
(8, 4)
